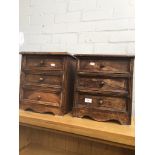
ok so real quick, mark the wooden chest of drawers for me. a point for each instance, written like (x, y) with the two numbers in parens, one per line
(46, 83)
(103, 89)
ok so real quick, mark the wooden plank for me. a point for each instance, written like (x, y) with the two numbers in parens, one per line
(46, 140)
(122, 134)
(35, 149)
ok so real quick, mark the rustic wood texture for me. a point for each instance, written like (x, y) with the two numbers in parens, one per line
(103, 88)
(102, 83)
(46, 82)
(43, 142)
(104, 131)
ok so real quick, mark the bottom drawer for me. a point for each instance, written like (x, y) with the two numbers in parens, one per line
(101, 102)
(40, 96)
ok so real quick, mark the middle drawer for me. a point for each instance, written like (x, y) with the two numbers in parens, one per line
(102, 83)
(36, 78)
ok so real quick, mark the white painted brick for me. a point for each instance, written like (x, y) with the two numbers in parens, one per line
(131, 48)
(71, 47)
(120, 48)
(111, 48)
(55, 28)
(41, 3)
(65, 38)
(80, 48)
(122, 24)
(69, 33)
(121, 36)
(85, 48)
(24, 6)
(80, 27)
(30, 29)
(56, 8)
(50, 7)
(68, 17)
(122, 8)
(34, 10)
(60, 7)
(30, 47)
(97, 15)
(102, 4)
(61, 1)
(24, 19)
(41, 19)
(24, 3)
(53, 47)
(93, 37)
(37, 38)
(122, 12)
(77, 5)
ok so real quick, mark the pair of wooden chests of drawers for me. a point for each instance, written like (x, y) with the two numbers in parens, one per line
(97, 86)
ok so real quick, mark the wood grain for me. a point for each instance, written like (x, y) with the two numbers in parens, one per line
(98, 130)
(47, 82)
(46, 142)
(103, 88)
(35, 149)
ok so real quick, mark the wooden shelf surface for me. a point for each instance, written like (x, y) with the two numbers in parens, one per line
(107, 131)
(36, 149)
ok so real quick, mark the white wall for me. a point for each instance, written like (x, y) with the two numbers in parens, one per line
(93, 26)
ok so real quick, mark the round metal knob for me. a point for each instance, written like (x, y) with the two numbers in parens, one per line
(41, 79)
(100, 102)
(38, 97)
(41, 62)
(102, 84)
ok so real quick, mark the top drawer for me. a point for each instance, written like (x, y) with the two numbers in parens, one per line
(105, 65)
(44, 62)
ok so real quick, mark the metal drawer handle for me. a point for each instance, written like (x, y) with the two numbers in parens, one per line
(102, 84)
(41, 79)
(38, 97)
(101, 102)
(41, 62)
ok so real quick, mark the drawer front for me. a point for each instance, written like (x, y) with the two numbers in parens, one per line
(50, 62)
(108, 84)
(43, 79)
(111, 66)
(102, 102)
(43, 97)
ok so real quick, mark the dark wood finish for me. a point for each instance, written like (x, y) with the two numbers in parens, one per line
(112, 66)
(96, 83)
(103, 88)
(47, 81)
(44, 61)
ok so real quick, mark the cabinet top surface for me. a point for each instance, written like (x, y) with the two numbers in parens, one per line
(113, 132)
(106, 55)
(46, 53)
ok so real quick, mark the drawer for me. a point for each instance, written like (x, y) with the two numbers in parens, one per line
(48, 98)
(99, 83)
(41, 62)
(102, 102)
(109, 66)
(42, 79)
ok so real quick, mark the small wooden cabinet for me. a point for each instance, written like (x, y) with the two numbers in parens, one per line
(47, 81)
(103, 89)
